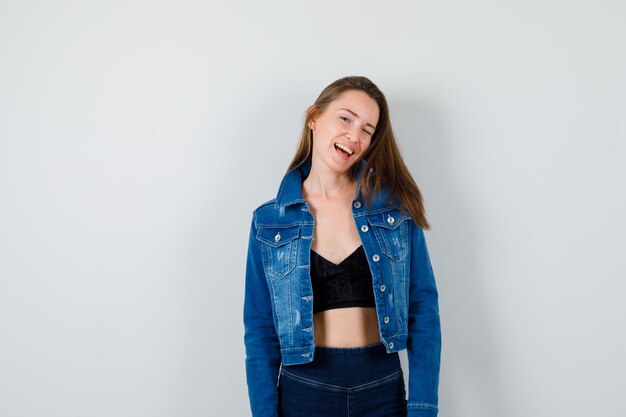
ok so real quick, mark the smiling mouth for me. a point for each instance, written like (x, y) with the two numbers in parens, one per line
(344, 149)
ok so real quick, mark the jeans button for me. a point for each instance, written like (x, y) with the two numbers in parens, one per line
(376, 258)
(277, 237)
(357, 204)
(390, 345)
(386, 320)
(364, 228)
(382, 288)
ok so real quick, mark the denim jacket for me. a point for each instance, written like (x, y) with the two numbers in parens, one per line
(278, 301)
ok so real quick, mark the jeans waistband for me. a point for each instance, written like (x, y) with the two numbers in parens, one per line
(348, 366)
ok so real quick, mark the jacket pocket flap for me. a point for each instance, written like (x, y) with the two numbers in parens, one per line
(278, 236)
(389, 219)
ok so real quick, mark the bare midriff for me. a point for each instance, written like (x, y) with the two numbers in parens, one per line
(346, 327)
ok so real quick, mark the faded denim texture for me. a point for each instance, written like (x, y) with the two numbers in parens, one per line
(278, 303)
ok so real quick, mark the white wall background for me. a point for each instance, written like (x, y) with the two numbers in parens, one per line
(136, 138)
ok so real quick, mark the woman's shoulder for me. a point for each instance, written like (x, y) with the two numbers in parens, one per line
(267, 203)
(264, 209)
(383, 199)
(271, 213)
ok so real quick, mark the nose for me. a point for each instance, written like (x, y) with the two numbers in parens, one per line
(354, 133)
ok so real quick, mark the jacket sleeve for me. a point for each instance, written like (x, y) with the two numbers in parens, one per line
(424, 338)
(261, 341)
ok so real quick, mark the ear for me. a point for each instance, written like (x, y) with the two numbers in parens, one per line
(312, 122)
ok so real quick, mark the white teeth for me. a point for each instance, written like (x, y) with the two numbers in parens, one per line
(345, 148)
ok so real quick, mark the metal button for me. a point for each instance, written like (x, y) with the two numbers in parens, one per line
(390, 345)
(390, 220)
(364, 228)
(277, 237)
(382, 288)
(357, 204)
(386, 320)
(376, 258)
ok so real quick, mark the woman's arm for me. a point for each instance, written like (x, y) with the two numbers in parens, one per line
(261, 342)
(424, 339)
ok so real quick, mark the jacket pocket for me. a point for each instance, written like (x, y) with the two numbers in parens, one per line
(279, 247)
(391, 230)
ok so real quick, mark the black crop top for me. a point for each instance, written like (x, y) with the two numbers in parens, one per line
(348, 284)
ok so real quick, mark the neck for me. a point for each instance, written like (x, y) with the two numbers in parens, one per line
(326, 183)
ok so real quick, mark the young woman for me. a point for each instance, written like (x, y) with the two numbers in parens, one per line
(338, 277)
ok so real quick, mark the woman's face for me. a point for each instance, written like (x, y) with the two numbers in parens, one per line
(343, 132)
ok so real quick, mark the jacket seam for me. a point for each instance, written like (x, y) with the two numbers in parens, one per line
(281, 226)
(422, 406)
(296, 347)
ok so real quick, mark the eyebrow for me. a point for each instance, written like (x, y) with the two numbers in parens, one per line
(369, 124)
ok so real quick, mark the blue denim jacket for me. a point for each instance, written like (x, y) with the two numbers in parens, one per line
(278, 302)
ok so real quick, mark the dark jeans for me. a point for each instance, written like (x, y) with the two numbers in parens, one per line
(363, 381)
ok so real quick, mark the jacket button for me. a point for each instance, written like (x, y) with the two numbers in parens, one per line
(357, 204)
(376, 258)
(390, 220)
(390, 345)
(364, 228)
(382, 288)
(386, 320)
(277, 237)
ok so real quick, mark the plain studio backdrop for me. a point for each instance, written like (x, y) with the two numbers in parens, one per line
(136, 138)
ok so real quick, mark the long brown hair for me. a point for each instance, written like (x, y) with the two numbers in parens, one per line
(383, 155)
